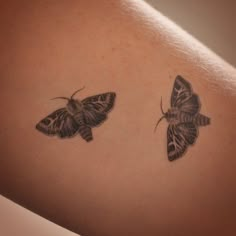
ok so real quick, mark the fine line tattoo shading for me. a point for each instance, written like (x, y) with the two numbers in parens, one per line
(183, 118)
(78, 117)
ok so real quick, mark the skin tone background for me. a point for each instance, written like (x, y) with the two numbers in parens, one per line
(209, 21)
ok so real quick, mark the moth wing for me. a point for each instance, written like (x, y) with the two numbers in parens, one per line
(179, 137)
(93, 118)
(60, 123)
(176, 145)
(95, 108)
(101, 103)
(192, 105)
(181, 92)
(183, 98)
(189, 132)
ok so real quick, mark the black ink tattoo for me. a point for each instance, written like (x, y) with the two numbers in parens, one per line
(78, 116)
(183, 118)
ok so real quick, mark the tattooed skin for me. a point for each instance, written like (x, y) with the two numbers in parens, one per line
(183, 118)
(78, 117)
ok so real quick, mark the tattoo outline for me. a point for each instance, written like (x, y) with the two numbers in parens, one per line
(183, 117)
(78, 117)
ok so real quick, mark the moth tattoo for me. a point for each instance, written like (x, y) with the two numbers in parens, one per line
(78, 117)
(183, 118)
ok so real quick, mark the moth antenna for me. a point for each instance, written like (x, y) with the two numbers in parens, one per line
(161, 107)
(76, 92)
(60, 98)
(158, 123)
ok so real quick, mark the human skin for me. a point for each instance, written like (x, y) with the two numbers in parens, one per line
(121, 183)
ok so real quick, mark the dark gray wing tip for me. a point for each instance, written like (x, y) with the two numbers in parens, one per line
(39, 127)
(175, 157)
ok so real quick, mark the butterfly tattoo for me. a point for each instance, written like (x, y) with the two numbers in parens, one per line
(183, 118)
(78, 117)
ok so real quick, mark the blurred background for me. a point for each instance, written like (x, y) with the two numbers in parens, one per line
(213, 22)
(210, 21)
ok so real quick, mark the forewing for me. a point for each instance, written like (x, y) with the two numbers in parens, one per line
(181, 92)
(179, 137)
(183, 98)
(101, 103)
(58, 123)
(192, 105)
(95, 108)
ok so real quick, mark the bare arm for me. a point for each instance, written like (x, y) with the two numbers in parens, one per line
(120, 183)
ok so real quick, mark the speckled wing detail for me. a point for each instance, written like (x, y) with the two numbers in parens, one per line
(183, 129)
(179, 137)
(95, 108)
(59, 123)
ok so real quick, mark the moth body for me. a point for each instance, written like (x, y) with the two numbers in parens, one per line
(172, 115)
(85, 132)
(201, 120)
(74, 106)
(175, 116)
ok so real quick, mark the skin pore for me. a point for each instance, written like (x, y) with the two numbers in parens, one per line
(120, 183)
